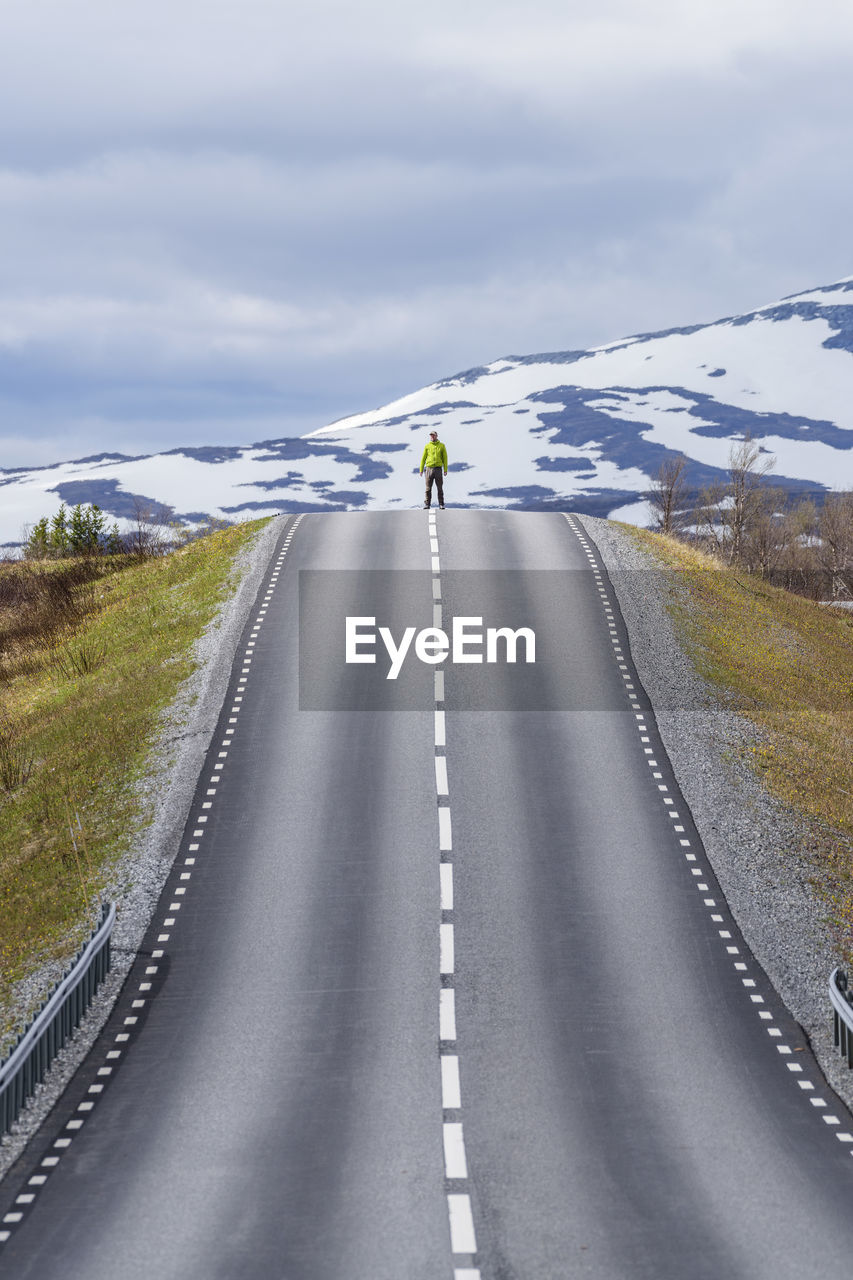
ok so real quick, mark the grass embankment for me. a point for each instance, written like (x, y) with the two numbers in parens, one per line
(786, 664)
(91, 652)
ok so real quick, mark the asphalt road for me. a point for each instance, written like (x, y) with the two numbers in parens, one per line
(449, 986)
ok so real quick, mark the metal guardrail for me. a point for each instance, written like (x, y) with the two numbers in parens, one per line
(842, 1005)
(55, 1023)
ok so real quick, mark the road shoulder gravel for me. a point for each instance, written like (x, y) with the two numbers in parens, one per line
(759, 848)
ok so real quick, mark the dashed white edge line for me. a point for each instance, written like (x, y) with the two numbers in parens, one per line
(74, 1125)
(685, 846)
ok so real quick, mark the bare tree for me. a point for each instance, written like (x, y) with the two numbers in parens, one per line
(835, 548)
(746, 470)
(798, 564)
(728, 511)
(150, 533)
(768, 532)
(668, 494)
(708, 519)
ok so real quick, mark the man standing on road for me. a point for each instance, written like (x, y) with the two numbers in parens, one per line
(435, 460)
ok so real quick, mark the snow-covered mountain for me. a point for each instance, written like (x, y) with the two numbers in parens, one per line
(578, 429)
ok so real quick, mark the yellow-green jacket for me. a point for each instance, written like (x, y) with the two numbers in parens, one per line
(435, 455)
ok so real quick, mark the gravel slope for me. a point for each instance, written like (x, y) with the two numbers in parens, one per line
(758, 847)
(137, 879)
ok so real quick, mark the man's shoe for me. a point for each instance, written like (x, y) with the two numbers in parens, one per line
(426, 506)
(441, 506)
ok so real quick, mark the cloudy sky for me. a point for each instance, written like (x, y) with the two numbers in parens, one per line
(229, 220)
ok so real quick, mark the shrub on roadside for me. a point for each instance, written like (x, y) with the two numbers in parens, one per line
(82, 531)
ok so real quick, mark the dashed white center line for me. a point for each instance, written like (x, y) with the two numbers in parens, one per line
(455, 1164)
(447, 956)
(451, 1092)
(462, 1237)
(445, 871)
(447, 1014)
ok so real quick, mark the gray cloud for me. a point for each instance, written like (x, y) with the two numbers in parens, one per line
(225, 222)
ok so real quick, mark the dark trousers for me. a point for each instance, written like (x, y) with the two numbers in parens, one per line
(430, 474)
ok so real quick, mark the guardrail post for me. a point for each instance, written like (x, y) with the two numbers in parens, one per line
(55, 1023)
(842, 1013)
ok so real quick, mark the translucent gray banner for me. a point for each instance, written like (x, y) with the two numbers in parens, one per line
(522, 640)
